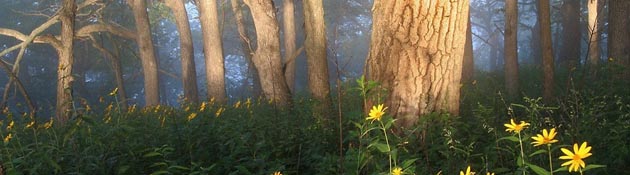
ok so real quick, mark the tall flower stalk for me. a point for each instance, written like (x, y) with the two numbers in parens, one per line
(547, 138)
(517, 128)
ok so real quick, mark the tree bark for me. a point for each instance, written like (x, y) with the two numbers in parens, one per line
(247, 49)
(416, 53)
(189, 73)
(288, 13)
(213, 50)
(571, 34)
(468, 69)
(593, 32)
(316, 53)
(547, 49)
(66, 61)
(147, 54)
(267, 58)
(618, 35)
(511, 47)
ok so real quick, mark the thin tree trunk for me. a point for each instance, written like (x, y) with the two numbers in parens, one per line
(66, 61)
(547, 49)
(316, 53)
(416, 53)
(147, 54)
(593, 32)
(511, 46)
(246, 46)
(618, 35)
(189, 73)
(213, 50)
(571, 34)
(267, 58)
(288, 13)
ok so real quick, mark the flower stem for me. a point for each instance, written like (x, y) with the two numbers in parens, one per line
(520, 141)
(389, 149)
(550, 163)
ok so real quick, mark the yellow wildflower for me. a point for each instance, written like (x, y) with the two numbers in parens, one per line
(131, 109)
(467, 172)
(376, 113)
(545, 138)
(219, 111)
(187, 108)
(203, 106)
(8, 138)
(277, 173)
(397, 171)
(237, 104)
(49, 124)
(488, 173)
(513, 127)
(575, 158)
(114, 92)
(248, 103)
(192, 116)
(30, 124)
(10, 125)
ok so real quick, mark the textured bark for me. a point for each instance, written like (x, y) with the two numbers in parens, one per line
(213, 50)
(416, 53)
(66, 60)
(536, 54)
(547, 49)
(618, 35)
(267, 57)
(189, 73)
(246, 46)
(511, 46)
(147, 54)
(288, 15)
(571, 34)
(593, 32)
(315, 44)
(468, 69)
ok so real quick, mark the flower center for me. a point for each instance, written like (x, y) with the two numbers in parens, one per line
(576, 158)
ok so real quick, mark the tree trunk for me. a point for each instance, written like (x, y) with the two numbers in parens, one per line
(547, 49)
(571, 34)
(494, 50)
(593, 32)
(288, 14)
(267, 57)
(213, 50)
(536, 54)
(618, 35)
(468, 69)
(316, 53)
(416, 53)
(511, 47)
(189, 73)
(246, 46)
(66, 59)
(147, 54)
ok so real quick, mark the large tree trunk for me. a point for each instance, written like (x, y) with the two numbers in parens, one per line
(511, 47)
(547, 49)
(416, 53)
(288, 14)
(147, 54)
(66, 59)
(267, 57)
(213, 50)
(571, 34)
(593, 32)
(246, 46)
(536, 54)
(315, 44)
(618, 35)
(468, 69)
(189, 73)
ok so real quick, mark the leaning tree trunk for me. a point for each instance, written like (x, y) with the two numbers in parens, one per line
(593, 32)
(288, 14)
(189, 73)
(246, 47)
(147, 54)
(618, 35)
(315, 44)
(511, 54)
(213, 50)
(64, 71)
(416, 53)
(571, 34)
(267, 57)
(547, 49)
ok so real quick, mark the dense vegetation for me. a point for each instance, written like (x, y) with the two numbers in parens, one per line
(252, 137)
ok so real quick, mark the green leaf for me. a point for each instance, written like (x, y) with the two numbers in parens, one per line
(564, 168)
(152, 154)
(177, 167)
(160, 172)
(538, 170)
(381, 147)
(408, 163)
(593, 166)
(519, 161)
(510, 138)
(538, 152)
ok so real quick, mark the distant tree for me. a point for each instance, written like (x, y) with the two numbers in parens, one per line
(212, 49)
(267, 57)
(189, 73)
(593, 31)
(511, 47)
(416, 53)
(315, 44)
(571, 34)
(618, 35)
(290, 49)
(147, 54)
(547, 49)
(246, 46)
(66, 61)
